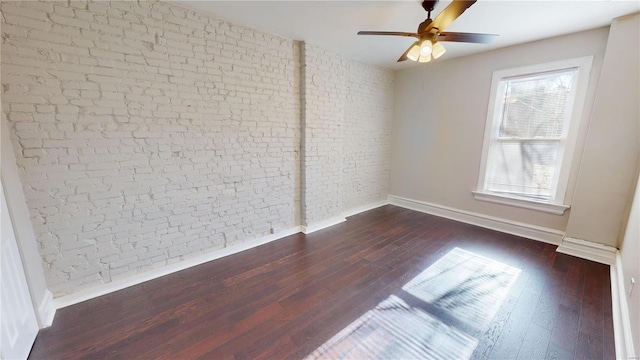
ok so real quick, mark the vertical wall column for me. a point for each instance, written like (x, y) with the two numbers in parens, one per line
(303, 121)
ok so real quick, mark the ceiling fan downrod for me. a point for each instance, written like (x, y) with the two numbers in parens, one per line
(428, 6)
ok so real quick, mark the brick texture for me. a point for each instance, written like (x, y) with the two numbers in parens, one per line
(347, 114)
(146, 133)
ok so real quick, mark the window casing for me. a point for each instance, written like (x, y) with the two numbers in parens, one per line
(530, 135)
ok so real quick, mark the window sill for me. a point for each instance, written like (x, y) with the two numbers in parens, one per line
(556, 209)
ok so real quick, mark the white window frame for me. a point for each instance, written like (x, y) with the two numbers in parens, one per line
(556, 204)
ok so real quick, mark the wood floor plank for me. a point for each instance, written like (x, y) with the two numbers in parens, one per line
(535, 343)
(284, 299)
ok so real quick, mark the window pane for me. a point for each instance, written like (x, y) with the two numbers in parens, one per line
(524, 168)
(536, 106)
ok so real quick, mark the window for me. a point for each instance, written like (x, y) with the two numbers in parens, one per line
(532, 125)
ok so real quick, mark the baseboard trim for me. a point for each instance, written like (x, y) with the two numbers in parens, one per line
(322, 224)
(528, 231)
(621, 322)
(360, 209)
(342, 217)
(107, 288)
(46, 310)
(588, 250)
(49, 307)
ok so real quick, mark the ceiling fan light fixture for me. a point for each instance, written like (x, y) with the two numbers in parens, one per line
(438, 50)
(414, 52)
(425, 47)
(429, 32)
(424, 58)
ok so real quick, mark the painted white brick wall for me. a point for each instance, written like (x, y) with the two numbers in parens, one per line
(146, 133)
(367, 134)
(348, 121)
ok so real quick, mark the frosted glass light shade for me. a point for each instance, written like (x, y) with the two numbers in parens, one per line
(414, 52)
(424, 58)
(437, 50)
(425, 48)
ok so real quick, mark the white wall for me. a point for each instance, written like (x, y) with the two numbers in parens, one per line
(607, 172)
(348, 113)
(146, 133)
(629, 251)
(440, 113)
(40, 295)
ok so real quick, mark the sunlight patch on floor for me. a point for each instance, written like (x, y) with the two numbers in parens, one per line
(461, 284)
(395, 330)
(467, 286)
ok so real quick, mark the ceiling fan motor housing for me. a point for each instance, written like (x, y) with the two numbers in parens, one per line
(424, 25)
(428, 5)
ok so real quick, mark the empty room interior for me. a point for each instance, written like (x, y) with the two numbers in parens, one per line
(320, 180)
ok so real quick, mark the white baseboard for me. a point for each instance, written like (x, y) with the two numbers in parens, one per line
(322, 224)
(342, 218)
(588, 250)
(621, 322)
(107, 288)
(360, 209)
(528, 231)
(46, 310)
(87, 294)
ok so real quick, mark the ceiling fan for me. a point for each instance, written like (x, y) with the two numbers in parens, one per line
(430, 32)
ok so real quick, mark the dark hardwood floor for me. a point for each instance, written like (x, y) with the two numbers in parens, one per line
(287, 298)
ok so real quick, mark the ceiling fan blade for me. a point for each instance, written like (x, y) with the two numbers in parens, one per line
(390, 33)
(449, 14)
(404, 55)
(467, 37)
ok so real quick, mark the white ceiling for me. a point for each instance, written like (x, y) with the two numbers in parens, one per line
(333, 24)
